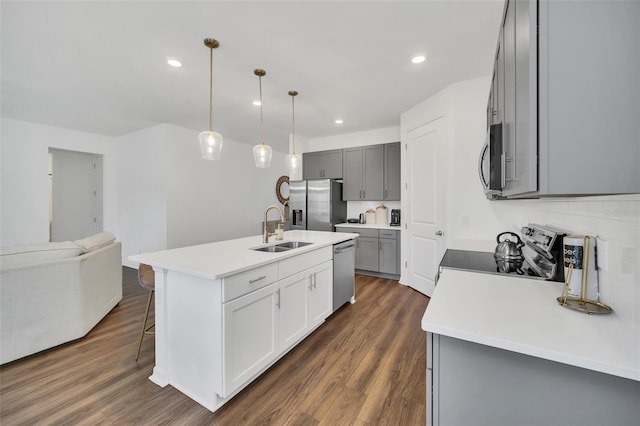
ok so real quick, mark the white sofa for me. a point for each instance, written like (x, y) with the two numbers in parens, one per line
(57, 292)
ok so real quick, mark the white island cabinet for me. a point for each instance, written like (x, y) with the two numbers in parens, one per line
(501, 351)
(226, 312)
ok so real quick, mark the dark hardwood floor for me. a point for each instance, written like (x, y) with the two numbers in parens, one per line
(364, 366)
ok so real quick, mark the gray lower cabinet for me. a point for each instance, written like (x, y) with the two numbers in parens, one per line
(367, 253)
(377, 250)
(388, 248)
(322, 165)
(473, 384)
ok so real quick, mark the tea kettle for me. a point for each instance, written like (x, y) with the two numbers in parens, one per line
(508, 254)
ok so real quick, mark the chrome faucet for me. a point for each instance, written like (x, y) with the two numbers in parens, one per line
(266, 234)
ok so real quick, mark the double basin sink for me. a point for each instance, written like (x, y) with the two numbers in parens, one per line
(289, 245)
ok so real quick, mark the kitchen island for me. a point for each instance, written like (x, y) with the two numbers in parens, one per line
(501, 350)
(225, 312)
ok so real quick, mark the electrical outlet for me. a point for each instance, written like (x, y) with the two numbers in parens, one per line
(602, 249)
(464, 221)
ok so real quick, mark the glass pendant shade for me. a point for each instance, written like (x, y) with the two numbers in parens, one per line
(210, 145)
(262, 156)
(294, 161)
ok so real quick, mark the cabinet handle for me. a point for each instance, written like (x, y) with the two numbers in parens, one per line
(385, 194)
(278, 302)
(503, 172)
(310, 281)
(257, 279)
(379, 245)
(315, 280)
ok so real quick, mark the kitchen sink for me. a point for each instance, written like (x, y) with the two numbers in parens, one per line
(282, 247)
(271, 249)
(292, 244)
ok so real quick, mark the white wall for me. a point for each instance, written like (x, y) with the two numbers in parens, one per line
(473, 221)
(24, 186)
(216, 200)
(158, 193)
(141, 188)
(348, 140)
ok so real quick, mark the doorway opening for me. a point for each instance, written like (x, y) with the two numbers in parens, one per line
(75, 194)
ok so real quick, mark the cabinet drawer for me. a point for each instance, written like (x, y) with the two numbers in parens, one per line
(248, 281)
(363, 232)
(387, 234)
(304, 261)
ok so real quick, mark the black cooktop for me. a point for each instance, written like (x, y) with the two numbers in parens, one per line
(478, 261)
(468, 260)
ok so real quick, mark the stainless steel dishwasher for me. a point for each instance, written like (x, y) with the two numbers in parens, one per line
(344, 256)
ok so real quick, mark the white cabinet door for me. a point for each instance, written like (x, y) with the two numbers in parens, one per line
(250, 335)
(294, 316)
(321, 293)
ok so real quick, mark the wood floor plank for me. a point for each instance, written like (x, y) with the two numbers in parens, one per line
(364, 366)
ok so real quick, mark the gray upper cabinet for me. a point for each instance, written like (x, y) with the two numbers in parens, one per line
(392, 171)
(565, 90)
(332, 164)
(519, 104)
(353, 178)
(322, 165)
(363, 173)
(589, 126)
(371, 173)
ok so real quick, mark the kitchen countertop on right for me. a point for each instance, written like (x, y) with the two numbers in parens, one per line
(522, 315)
(367, 226)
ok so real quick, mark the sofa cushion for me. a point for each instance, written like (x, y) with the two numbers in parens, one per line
(96, 241)
(29, 254)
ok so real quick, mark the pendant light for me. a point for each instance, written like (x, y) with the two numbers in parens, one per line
(210, 141)
(293, 160)
(261, 152)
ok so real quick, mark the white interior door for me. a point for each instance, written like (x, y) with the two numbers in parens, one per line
(425, 194)
(76, 195)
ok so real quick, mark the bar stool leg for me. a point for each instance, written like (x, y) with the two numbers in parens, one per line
(144, 323)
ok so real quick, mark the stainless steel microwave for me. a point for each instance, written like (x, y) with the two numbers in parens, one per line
(491, 164)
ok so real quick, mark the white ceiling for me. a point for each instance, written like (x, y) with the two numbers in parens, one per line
(100, 66)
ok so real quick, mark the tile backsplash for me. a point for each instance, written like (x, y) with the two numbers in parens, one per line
(354, 208)
(614, 219)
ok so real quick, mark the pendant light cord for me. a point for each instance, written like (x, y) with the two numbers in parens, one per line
(261, 127)
(211, 89)
(293, 123)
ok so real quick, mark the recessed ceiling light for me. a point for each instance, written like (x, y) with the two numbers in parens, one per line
(339, 121)
(174, 63)
(418, 59)
(257, 103)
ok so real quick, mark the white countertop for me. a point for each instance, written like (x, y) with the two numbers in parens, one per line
(522, 315)
(367, 225)
(224, 258)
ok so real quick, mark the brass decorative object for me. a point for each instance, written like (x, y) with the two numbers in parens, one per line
(581, 303)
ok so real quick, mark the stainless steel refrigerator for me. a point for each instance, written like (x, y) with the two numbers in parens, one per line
(316, 204)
